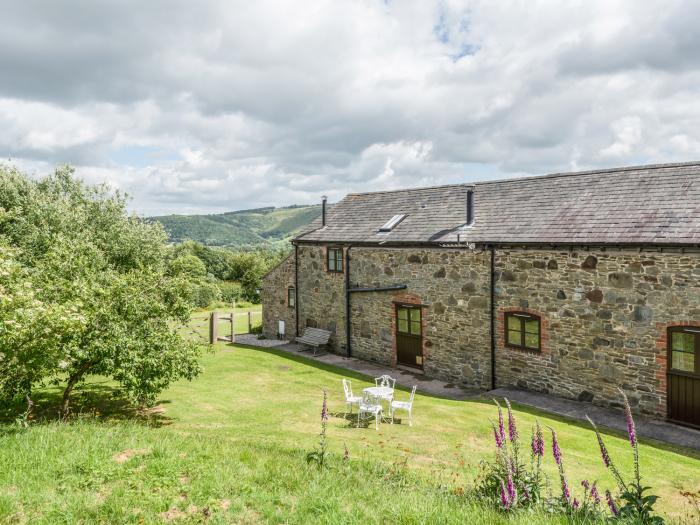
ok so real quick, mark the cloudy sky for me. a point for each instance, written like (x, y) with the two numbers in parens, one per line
(213, 106)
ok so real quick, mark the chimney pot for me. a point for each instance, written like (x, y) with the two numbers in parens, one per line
(323, 210)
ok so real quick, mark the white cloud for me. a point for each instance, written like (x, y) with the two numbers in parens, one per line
(210, 107)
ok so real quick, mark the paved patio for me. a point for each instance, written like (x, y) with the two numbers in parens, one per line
(604, 417)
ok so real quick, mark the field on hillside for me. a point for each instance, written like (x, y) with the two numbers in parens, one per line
(230, 447)
(240, 229)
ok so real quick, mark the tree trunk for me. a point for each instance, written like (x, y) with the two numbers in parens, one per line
(72, 381)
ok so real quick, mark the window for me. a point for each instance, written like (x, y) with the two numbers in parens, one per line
(335, 259)
(523, 331)
(684, 348)
(392, 223)
(291, 297)
(409, 320)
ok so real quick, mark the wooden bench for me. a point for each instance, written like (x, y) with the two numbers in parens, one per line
(314, 338)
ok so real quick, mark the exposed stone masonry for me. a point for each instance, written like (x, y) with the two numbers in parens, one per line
(274, 295)
(604, 314)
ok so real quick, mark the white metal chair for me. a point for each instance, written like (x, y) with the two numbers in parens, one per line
(370, 404)
(404, 405)
(385, 380)
(350, 398)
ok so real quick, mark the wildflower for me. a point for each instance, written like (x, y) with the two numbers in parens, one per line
(537, 441)
(594, 494)
(504, 496)
(512, 429)
(565, 492)
(585, 485)
(603, 450)
(501, 426)
(607, 461)
(631, 430)
(346, 453)
(611, 504)
(574, 505)
(512, 495)
(556, 451)
(497, 436)
(324, 408)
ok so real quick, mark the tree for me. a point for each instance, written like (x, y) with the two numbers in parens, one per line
(86, 290)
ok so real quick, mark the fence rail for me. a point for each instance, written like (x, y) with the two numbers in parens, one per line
(223, 326)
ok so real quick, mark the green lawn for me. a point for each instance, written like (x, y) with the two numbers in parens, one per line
(230, 448)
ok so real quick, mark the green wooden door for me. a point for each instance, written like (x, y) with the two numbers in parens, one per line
(409, 336)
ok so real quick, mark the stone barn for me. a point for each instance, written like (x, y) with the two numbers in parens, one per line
(570, 284)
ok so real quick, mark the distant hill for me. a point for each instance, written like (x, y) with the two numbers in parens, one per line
(240, 229)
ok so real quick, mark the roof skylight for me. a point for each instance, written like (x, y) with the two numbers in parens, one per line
(392, 223)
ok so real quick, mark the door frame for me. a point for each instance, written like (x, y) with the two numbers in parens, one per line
(677, 373)
(421, 309)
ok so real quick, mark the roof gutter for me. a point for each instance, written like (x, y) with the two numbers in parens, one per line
(512, 244)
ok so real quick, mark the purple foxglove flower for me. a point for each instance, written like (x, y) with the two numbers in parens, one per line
(512, 496)
(324, 409)
(603, 449)
(556, 451)
(512, 429)
(565, 489)
(574, 505)
(504, 496)
(585, 484)
(611, 504)
(594, 494)
(501, 426)
(497, 437)
(537, 441)
(631, 430)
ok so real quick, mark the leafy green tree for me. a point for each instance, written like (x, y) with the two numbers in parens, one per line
(98, 296)
(188, 266)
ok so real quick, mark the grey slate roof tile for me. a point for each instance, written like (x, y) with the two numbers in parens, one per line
(644, 204)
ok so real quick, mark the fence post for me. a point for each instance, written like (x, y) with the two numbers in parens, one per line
(213, 327)
(233, 327)
(250, 322)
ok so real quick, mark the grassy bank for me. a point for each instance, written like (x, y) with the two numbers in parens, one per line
(230, 447)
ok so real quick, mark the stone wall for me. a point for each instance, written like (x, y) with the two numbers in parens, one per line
(274, 299)
(604, 317)
(604, 314)
(453, 288)
(321, 295)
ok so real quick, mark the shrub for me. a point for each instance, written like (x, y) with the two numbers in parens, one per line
(204, 293)
(231, 291)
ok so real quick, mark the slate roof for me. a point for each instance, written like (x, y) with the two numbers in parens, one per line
(657, 204)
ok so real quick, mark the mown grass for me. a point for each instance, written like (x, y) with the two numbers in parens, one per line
(230, 447)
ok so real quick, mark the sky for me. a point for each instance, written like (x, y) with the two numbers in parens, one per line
(205, 107)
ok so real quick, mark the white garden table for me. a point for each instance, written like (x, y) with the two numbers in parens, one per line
(383, 393)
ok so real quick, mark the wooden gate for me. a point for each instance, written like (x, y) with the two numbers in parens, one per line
(230, 320)
(684, 375)
(409, 336)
